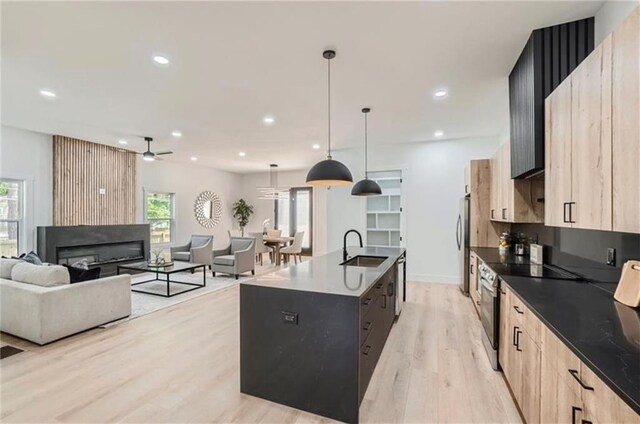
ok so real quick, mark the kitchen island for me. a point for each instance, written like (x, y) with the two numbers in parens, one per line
(311, 335)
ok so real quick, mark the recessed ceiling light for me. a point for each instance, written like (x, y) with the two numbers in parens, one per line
(316, 146)
(438, 133)
(269, 120)
(242, 154)
(48, 93)
(122, 141)
(440, 93)
(176, 133)
(160, 60)
(193, 158)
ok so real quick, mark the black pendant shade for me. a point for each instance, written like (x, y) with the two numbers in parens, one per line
(329, 172)
(366, 187)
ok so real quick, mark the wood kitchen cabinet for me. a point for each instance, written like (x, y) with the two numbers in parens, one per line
(625, 122)
(592, 138)
(483, 232)
(513, 200)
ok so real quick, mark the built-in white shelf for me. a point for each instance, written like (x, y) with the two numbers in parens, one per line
(384, 212)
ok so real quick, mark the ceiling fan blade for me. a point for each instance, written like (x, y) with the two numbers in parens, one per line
(164, 153)
(156, 157)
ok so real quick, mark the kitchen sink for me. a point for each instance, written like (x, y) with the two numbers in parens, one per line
(365, 261)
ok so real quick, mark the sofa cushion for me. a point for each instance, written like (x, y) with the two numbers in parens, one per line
(240, 243)
(6, 265)
(228, 260)
(181, 256)
(39, 275)
(78, 275)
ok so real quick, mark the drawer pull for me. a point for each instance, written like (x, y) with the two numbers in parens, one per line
(366, 350)
(518, 332)
(367, 301)
(518, 310)
(513, 342)
(366, 326)
(502, 291)
(574, 374)
(379, 285)
(574, 409)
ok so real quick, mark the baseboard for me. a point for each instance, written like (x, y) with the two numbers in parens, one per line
(431, 278)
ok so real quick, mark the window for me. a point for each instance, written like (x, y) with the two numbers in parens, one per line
(295, 213)
(160, 215)
(11, 216)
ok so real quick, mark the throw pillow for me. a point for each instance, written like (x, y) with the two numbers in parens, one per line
(77, 275)
(81, 264)
(31, 257)
(6, 265)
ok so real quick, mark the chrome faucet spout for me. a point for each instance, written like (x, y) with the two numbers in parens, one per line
(344, 242)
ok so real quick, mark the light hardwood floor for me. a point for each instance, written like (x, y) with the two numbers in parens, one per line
(181, 364)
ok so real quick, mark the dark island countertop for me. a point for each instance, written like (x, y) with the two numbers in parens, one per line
(324, 274)
(590, 322)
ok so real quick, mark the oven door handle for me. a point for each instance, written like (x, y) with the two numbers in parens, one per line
(488, 287)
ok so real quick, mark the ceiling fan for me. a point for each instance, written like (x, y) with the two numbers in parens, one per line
(149, 155)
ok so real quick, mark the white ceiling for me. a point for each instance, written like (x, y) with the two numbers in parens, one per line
(233, 63)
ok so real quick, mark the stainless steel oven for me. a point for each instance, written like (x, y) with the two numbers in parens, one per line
(489, 309)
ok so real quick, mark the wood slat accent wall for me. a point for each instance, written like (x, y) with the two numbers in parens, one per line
(80, 170)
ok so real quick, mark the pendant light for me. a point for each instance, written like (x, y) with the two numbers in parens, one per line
(274, 191)
(329, 172)
(366, 187)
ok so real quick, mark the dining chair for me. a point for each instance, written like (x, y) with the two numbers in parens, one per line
(295, 248)
(260, 246)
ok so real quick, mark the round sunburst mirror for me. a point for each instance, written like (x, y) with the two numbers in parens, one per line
(208, 209)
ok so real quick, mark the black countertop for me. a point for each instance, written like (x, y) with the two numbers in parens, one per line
(491, 255)
(324, 274)
(599, 330)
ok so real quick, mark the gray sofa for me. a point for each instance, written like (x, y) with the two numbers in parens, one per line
(237, 258)
(197, 251)
(39, 304)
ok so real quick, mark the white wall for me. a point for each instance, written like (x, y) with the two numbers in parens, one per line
(433, 185)
(28, 156)
(264, 209)
(610, 15)
(187, 181)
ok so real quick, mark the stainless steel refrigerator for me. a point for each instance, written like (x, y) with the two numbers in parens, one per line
(462, 239)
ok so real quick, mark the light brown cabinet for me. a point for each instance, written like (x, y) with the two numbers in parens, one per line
(483, 232)
(592, 138)
(513, 200)
(548, 381)
(625, 122)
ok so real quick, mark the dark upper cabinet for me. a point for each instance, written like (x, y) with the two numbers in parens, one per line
(549, 56)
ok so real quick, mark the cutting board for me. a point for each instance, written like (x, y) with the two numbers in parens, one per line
(628, 290)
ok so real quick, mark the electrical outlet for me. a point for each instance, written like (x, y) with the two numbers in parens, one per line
(102, 191)
(611, 256)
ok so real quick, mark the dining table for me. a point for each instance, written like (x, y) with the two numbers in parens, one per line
(276, 243)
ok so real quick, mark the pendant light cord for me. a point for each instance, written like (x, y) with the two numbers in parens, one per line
(329, 104)
(366, 174)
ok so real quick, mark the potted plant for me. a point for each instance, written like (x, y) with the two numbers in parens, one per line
(241, 212)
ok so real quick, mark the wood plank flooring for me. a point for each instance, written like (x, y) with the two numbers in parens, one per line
(181, 364)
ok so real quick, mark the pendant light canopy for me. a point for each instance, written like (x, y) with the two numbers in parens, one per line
(329, 172)
(366, 187)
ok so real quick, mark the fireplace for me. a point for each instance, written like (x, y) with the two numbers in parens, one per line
(101, 254)
(104, 246)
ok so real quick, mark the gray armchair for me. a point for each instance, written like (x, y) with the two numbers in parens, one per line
(237, 258)
(197, 251)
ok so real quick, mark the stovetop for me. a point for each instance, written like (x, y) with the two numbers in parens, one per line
(533, 270)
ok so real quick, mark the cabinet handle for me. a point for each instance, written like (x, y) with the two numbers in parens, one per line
(564, 212)
(379, 285)
(586, 422)
(466, 188)
(492, 211)
(518, 340)
(574, 374)
(504, 210)
(518, 310)
(384, 301)
(471, 266)
(390, 290)
(502, 291)
(366, 350)
(366, 326)
(367, 301)
(571, 221)
(574, 409)
(513, 342)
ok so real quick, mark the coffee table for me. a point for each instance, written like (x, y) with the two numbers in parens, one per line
(166, 272)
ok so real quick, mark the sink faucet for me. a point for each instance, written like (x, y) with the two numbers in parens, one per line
(344, 242)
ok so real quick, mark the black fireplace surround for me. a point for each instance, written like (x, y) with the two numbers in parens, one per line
(104, 246)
